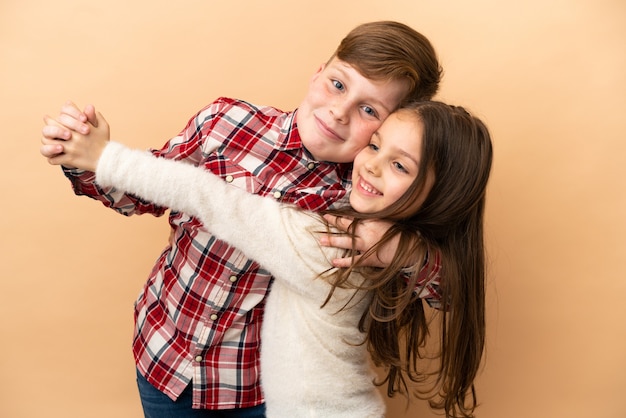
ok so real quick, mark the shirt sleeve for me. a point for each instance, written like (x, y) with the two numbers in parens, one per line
(190, 145)
(83, 184)
(429, 279)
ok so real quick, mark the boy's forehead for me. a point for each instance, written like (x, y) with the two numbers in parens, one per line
(341, 65)
(338, 64)
(388, 92)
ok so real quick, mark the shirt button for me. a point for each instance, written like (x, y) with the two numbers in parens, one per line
(213, 317)
(233, 279)
(229, 179)
(277, 195)
(198, 359)
(310, 166)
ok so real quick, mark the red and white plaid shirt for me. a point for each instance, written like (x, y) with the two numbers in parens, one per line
(199, 316)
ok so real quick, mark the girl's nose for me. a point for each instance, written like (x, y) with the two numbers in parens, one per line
(372, 166)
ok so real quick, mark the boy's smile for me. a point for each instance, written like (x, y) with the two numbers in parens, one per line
(342, 109)
(326, 131)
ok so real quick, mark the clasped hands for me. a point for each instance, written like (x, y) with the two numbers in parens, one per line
(76, 138)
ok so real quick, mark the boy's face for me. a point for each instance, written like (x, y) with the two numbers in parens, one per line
(342, 109)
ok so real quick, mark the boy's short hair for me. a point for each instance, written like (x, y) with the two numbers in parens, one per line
(388, 50)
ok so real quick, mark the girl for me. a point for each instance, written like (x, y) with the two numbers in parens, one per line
(425, 171)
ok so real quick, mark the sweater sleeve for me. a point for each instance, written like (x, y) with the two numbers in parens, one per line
(275, 235)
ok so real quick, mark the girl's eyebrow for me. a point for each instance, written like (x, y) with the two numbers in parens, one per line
(399, 150)
(409, 156)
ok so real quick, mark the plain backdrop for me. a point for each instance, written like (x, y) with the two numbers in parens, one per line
(548, 77)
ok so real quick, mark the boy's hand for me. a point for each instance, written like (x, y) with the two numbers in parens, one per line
(76, 150)
(368, 233)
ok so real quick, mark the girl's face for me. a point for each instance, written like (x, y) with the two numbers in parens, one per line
(385, 169)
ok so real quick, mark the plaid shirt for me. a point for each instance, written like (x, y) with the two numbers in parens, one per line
(199, 316)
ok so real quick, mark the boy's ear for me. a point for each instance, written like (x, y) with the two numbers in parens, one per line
(318, 72)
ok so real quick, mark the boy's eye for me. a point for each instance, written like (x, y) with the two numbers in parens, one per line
(373, 147)
(370, 111)
(338, 84)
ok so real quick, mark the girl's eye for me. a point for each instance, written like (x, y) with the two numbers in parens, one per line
(400, 167)
(338, 84)
(373, 147)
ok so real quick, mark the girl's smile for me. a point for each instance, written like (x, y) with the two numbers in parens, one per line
(367, 188)
(386, 168)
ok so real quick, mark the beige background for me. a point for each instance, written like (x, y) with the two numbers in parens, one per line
(548, 77)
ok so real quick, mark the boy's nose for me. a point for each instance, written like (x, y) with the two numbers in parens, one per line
(340, 111)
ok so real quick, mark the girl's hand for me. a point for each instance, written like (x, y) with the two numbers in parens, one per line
(368, 234)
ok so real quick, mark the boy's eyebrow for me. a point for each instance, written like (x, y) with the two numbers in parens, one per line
(381, 104)
(341, 68)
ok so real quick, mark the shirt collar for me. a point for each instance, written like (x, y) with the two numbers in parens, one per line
(289, 138)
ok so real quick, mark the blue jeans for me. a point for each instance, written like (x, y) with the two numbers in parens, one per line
(156, 404)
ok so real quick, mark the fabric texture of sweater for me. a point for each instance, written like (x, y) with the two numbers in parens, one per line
(312, 361)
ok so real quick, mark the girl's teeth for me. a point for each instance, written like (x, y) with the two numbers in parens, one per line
(367, 188)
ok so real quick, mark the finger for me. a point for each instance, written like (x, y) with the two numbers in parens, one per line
(344, 262)
(58, 159)
(70, 109)
(73, 124)
(340, 223)
(99, 119)
(51, 150)
(90, 113)
(54, 130)
(337, 241)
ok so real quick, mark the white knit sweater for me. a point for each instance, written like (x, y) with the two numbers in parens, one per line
(311, 362)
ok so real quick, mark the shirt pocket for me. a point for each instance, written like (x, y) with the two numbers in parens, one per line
(233, 173)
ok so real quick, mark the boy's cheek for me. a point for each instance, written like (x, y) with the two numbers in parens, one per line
(363, 135)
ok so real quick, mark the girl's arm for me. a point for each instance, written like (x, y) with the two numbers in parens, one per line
(275, 235)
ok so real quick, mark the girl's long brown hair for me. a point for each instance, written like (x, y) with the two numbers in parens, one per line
(457, 157)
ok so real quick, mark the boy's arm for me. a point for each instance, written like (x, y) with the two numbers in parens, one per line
(55, 139)
(187, 145)
(367, 235)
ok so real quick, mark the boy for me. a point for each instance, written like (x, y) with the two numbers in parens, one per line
(199, 316)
